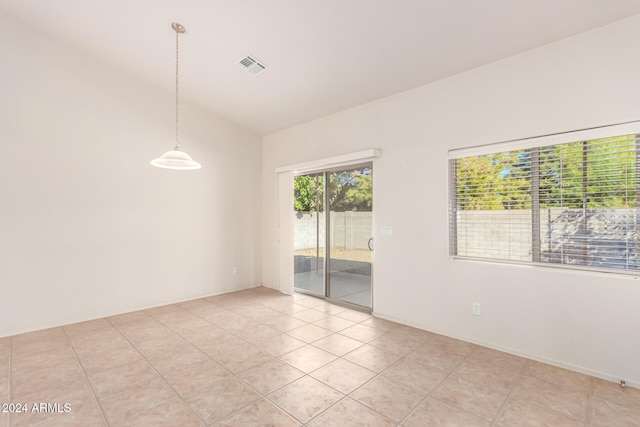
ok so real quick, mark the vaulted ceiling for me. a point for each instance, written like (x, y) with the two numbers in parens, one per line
(323, 56)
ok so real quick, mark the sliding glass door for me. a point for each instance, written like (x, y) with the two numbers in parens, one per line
(309, 263)
(350, 242)
(333, 247)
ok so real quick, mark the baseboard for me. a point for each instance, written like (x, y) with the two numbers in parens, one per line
(72, 321)
(597, 374)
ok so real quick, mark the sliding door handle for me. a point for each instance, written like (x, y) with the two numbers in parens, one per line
(370, 244)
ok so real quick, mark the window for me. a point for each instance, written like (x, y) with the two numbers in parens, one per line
(543, 202)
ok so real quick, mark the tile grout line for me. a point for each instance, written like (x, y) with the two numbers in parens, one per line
(587, 417)
(156, 371)
(306, 374)
(264, 396)
(563, 387)
(84, 374)
(283, 409)
(585, 421)
(378, 374)
(345, 396)
(221, 327)
(212, 359)
(511, 390)
(228, 331)
(411, 412)
(438, 385)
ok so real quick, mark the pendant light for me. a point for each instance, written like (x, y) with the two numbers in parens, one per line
(176, 158)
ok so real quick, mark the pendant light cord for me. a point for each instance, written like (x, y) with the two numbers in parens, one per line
(176, 159)
(177, 94)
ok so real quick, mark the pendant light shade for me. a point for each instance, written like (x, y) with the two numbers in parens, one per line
(176, 158)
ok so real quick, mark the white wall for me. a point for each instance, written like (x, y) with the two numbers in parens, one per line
(87, 227)
(589, 322)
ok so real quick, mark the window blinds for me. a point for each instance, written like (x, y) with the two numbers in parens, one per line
(566, 204)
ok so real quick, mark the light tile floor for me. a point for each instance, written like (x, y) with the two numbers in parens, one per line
(258, 357)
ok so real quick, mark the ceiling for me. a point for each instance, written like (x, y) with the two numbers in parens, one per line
(323, 56)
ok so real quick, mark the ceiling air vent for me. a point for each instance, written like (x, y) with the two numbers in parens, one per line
(252, 65)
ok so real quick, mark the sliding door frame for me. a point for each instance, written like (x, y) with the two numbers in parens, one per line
(285, 217)
(327, 236)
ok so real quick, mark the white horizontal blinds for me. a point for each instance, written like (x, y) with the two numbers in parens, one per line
(453, 209)
(588, 193)
(493, 206)
(570, 204)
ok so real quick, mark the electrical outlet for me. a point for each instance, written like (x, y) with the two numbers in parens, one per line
(234, 271)
(475, 308)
